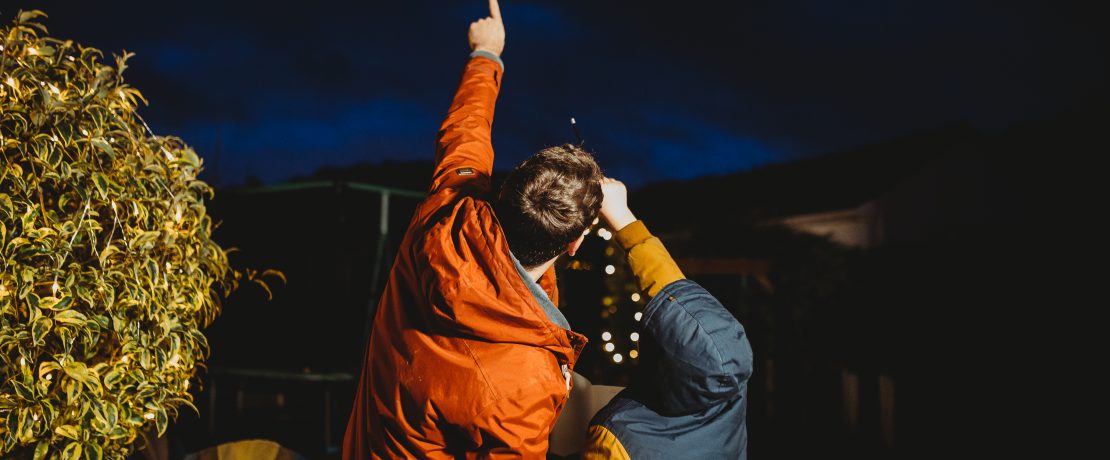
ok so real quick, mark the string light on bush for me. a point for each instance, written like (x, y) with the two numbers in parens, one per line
(635, 296)
(639, 315)
(635, 336)
(617, 358)
(609, 347)
(609, 269)
(633, 354)
(606, 336)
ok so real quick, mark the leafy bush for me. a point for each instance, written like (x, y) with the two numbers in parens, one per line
(108, 270)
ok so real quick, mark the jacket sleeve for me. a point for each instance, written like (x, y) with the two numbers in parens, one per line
(651, 263)
(517, 426)
(464, 153)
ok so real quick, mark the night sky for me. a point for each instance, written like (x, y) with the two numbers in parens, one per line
(661, 90)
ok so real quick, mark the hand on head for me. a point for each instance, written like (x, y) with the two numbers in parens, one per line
(614, 207)
(488, 34)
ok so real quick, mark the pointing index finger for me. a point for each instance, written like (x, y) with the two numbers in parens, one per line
(494, 10)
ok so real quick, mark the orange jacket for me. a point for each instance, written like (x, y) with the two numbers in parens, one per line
(462, 362)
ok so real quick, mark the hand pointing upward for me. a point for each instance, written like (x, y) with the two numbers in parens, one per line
(488, 34)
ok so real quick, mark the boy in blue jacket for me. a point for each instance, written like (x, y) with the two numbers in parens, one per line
(690, 399)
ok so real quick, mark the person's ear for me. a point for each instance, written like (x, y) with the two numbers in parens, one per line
(574, 245)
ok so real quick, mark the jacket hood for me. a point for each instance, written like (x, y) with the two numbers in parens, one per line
(693, 352)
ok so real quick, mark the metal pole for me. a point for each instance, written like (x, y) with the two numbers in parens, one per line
(379, 261)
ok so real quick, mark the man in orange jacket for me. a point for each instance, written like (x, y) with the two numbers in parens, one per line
(469, 357)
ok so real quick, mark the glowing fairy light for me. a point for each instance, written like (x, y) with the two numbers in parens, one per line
(635, 336)
(54, 89)
(169, 156)
(11, 82)
(149, 416)
(54, 138)
(633, 354)
(54, 288)
(84, 131)
(124, 359)
(609, 346)
(606, 336)
(617, 358)
(122, 96)
(587, 232)
(638, 315)
(35, 417)
(635, 296)
(168, 266)
(135, 207)
(22, 361)
(177, 215)
(609, 269)
(49, 377)
(596, 220)
(114, 206)
(32, 51)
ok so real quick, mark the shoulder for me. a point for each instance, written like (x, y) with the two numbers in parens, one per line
(450, 208)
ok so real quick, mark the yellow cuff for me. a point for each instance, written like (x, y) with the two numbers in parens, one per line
(633, 234)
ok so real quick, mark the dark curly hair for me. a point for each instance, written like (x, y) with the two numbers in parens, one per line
(548, 201)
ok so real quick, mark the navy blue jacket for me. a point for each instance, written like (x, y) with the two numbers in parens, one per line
(689, 399)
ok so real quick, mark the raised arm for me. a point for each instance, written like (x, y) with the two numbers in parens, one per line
(464, 152)
(651, 263)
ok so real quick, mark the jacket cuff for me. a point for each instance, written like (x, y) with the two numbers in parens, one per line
(490, 56)
(633, 234)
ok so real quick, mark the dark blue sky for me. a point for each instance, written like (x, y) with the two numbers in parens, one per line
(662, 90)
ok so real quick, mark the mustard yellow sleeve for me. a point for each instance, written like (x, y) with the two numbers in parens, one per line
(602, 445)
(650, 261)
